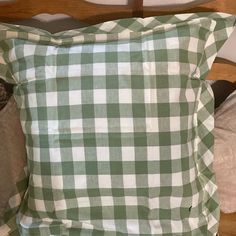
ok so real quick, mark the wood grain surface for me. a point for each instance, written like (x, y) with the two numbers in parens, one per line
(79, 9)
(228, 6)
(94, 13)
(227, 224)
(222, 70)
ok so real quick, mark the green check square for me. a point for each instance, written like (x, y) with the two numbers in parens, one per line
(116, 168)
(88, 111)
(96, 213)
(165, 167)
(42, 113)
(46, 168)
(139, 110)
(63, 112)
(87, 58)
(163, 110)
(120, 212)
(164, 214)
(164, 138)
(91, 168)
(141, 167)
(68, 168)
(113, 111)
(62, 59)
(89, 140)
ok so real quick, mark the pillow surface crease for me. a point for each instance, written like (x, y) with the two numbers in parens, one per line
(118, 124)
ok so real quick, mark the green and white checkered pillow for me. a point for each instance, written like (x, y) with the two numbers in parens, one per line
(118, 125)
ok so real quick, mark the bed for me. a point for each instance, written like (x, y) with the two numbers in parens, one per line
(40, 195)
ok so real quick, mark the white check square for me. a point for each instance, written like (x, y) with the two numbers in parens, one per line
(128, 153)
(80, 181)
(177, 179)
(103, 153)
(101, 125)
(52, 99)
(175, 123)
(125, 96)
(129, 181)
(78, 154)
(104, 181)
(74, 97)
(60, 205)
(99, 96)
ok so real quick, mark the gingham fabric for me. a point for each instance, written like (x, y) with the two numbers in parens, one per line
(118, 125)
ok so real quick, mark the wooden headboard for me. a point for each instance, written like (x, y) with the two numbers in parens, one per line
(94, 13)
